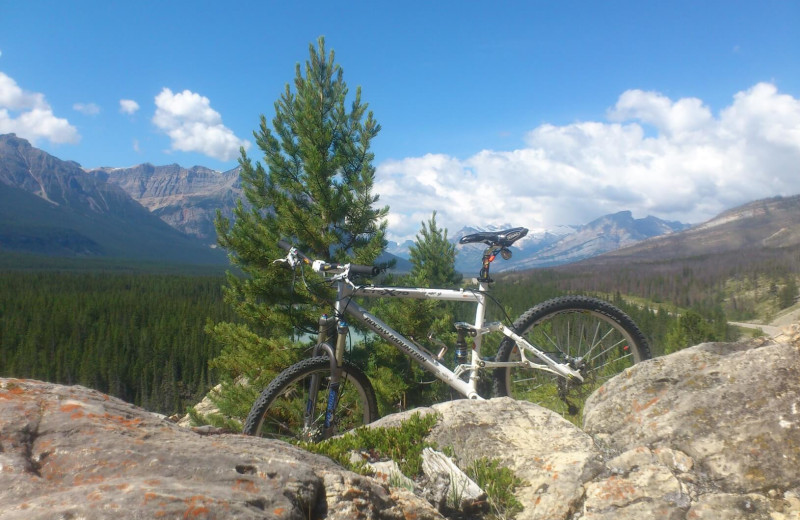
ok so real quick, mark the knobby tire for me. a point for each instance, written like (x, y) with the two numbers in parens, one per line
(601, 340)
(279, 410)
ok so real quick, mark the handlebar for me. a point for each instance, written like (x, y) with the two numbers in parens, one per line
(324, 267)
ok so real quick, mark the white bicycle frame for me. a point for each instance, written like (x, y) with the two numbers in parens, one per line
(345, 305)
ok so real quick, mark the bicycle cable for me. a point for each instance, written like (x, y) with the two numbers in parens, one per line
(496, 302)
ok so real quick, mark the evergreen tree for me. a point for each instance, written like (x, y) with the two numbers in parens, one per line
(434, 257)
(787, 294)
(313, 189)
(393, 374)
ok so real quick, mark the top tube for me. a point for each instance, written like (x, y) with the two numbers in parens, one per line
(419, 293)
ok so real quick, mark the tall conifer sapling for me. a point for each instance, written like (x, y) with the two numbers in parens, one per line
(314, 189)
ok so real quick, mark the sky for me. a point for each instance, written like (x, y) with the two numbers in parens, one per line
(520, 113)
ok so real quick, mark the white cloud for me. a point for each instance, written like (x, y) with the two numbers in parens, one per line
(193, 126)
(653, 156)
(28, 115)
(128, 106)
(89, 109)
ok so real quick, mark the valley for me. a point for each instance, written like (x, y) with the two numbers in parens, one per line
(74, 244)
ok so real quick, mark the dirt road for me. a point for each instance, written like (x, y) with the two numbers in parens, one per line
(776, 326)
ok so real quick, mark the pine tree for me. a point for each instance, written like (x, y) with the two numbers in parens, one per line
(433, 259)
(315, 190)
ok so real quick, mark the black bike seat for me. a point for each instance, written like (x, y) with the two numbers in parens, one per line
(495, 238)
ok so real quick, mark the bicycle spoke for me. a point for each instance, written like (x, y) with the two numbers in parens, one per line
(591, 336)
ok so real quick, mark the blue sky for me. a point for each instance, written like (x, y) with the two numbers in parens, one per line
(527, 113)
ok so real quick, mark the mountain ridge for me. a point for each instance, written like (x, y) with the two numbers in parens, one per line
(54, 207)
(185, 198)
(765, 223)
(177, 206)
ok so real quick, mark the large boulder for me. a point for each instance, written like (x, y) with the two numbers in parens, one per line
(713, 430)
(71, 452)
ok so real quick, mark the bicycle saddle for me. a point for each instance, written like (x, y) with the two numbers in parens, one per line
(496, 238)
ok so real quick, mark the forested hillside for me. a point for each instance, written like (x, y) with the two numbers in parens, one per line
(745, 262)
(139, 337)
(668, 328)
(747, 284)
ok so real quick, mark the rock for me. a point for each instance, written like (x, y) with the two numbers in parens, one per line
(549, 453)
(709, 432)
(461, 493)
(639, 487)
(388, 471)
(734, 409)
(713, 428)
(714, 431)
(204, 407)
(71, 452)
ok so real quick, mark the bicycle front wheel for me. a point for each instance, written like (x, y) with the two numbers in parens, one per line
(590, 335)
(293, 406)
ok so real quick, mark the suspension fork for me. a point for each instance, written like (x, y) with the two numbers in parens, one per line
(336, 357)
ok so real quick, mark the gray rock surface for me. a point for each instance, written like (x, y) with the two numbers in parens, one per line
(71, 452)
(721, 420)
(709, 432)
(548, 452)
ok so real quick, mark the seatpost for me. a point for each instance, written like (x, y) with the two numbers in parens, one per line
(488, 257)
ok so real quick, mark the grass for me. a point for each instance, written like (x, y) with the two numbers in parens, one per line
(499, 483)
(404, 445)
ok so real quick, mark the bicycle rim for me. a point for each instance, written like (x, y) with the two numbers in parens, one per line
(290, 408)
(596, 338)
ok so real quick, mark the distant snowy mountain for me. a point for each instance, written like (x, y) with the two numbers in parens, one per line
(469, 256)
(559, 245)
(607, 233)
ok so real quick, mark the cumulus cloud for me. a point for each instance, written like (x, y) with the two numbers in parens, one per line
(674, 159)
(128, 106)
(28, 115)
(89, 109)
(193, 126)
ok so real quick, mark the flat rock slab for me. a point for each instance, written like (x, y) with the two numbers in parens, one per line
(71, 452)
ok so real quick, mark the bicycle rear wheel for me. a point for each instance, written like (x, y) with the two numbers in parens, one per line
(280, 410)
(593, 336)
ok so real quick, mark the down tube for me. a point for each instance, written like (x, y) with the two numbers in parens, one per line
(427, 361)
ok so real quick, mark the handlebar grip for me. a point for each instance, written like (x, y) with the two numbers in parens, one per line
(283, 244)
(366, 270)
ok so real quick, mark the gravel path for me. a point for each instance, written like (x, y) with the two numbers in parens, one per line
(777, 325)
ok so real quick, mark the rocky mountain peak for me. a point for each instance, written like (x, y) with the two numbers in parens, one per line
(185, 198)
(55, 207)
(58, 182)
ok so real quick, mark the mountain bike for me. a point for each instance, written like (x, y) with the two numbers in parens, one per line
(555, 354)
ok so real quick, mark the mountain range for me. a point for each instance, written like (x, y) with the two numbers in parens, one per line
(766, 224)
(166, 213)
(186, 199)
(54, 207)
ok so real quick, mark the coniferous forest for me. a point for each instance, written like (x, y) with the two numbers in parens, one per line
(139, 337)
(142, 337)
